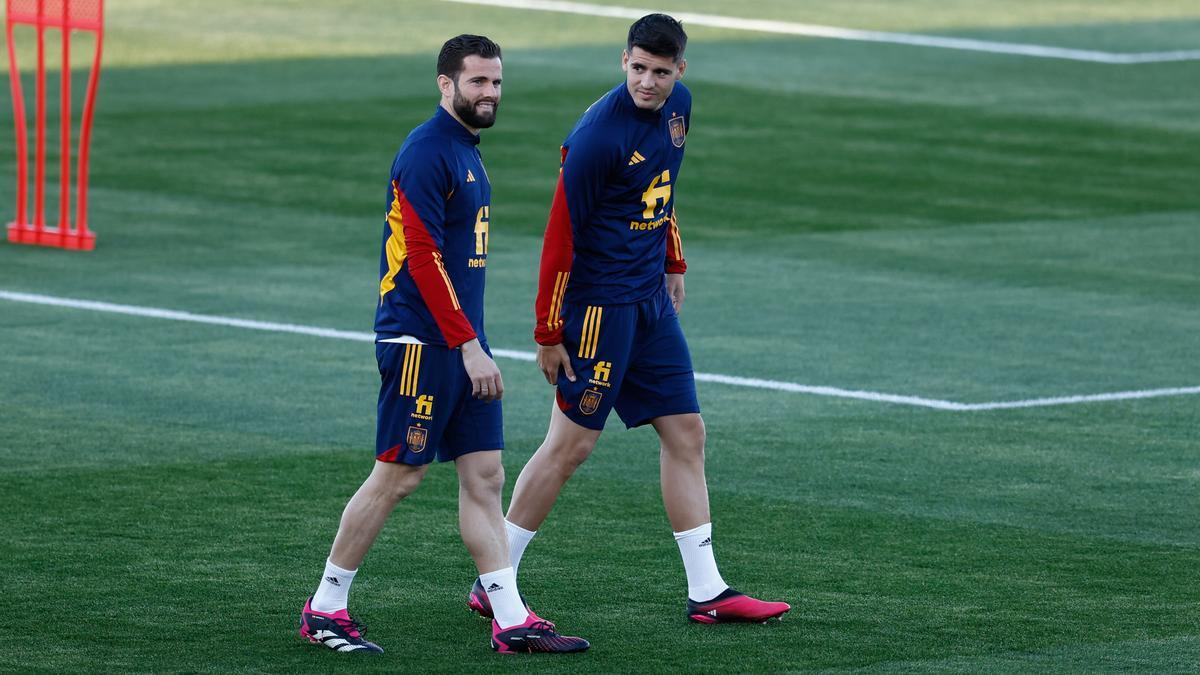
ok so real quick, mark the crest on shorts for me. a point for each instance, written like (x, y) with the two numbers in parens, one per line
(678, 132)
(416, 438)
(590, 402)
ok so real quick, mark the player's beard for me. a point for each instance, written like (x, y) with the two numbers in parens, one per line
(466, 111)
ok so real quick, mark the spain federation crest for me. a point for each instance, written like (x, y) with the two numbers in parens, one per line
(416, 438)
(590, 402)
(678, 131)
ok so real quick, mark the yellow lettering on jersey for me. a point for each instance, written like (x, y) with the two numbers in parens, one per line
(659, 191)
(651, 225)
(482, 220)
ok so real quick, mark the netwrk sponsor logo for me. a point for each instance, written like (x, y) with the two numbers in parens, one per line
(601, 372)
(424, 409)
(651, 225)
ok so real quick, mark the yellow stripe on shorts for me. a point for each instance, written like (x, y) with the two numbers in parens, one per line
(411, 370)
(590, 337)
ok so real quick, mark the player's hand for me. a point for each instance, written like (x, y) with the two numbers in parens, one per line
(552, 357)
(486, 383)
(675, 290)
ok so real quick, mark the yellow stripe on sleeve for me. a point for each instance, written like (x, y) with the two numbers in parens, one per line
(552, 315)
(437, 258)
(554, 321)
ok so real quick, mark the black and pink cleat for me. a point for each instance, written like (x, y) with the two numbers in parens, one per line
(477, 600)
(335, 630)
(734, 607)
(535, 636)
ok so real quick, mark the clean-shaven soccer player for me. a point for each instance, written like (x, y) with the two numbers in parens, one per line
(440, 391)
(608, 333)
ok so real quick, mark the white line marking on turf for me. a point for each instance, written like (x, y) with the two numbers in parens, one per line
(174, 315)
(754, 383)
(827, 391)
(836, 33)
(1093, 398)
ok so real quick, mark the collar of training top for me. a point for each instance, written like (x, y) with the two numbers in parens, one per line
(628, 104)
(455, 128)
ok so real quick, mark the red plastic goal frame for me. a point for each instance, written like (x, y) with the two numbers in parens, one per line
(65, 16)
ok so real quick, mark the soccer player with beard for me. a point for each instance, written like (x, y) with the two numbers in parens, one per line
(440, 392)
(608, 333)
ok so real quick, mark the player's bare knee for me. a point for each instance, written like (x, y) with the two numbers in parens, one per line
(395, 483)
(568, 456)
(693, 430)
(684, 452)
(404, 488)
(484, 481)
(686, 442)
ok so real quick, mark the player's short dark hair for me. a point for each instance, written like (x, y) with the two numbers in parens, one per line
(450, 60)
(658, 34)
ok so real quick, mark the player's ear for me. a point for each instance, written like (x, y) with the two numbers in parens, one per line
(625, 60)
(446, 86)
(682, 67)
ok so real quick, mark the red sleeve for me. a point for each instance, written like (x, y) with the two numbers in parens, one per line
(557, 255)
(429, 274)
(675, 262)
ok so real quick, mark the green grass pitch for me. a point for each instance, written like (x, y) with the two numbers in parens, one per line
(946, 224)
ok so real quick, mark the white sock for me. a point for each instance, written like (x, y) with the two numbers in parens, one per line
(334, 589)
(518, 539)
(501, 589)
(704, 581)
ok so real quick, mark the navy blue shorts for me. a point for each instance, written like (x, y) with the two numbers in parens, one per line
(631, 357)
(426, 408)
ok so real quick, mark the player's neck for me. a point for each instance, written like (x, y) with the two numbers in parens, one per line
(450, 109)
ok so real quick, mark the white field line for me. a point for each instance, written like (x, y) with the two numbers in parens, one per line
(836, 33)
(754, 383)
(1092, 398)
